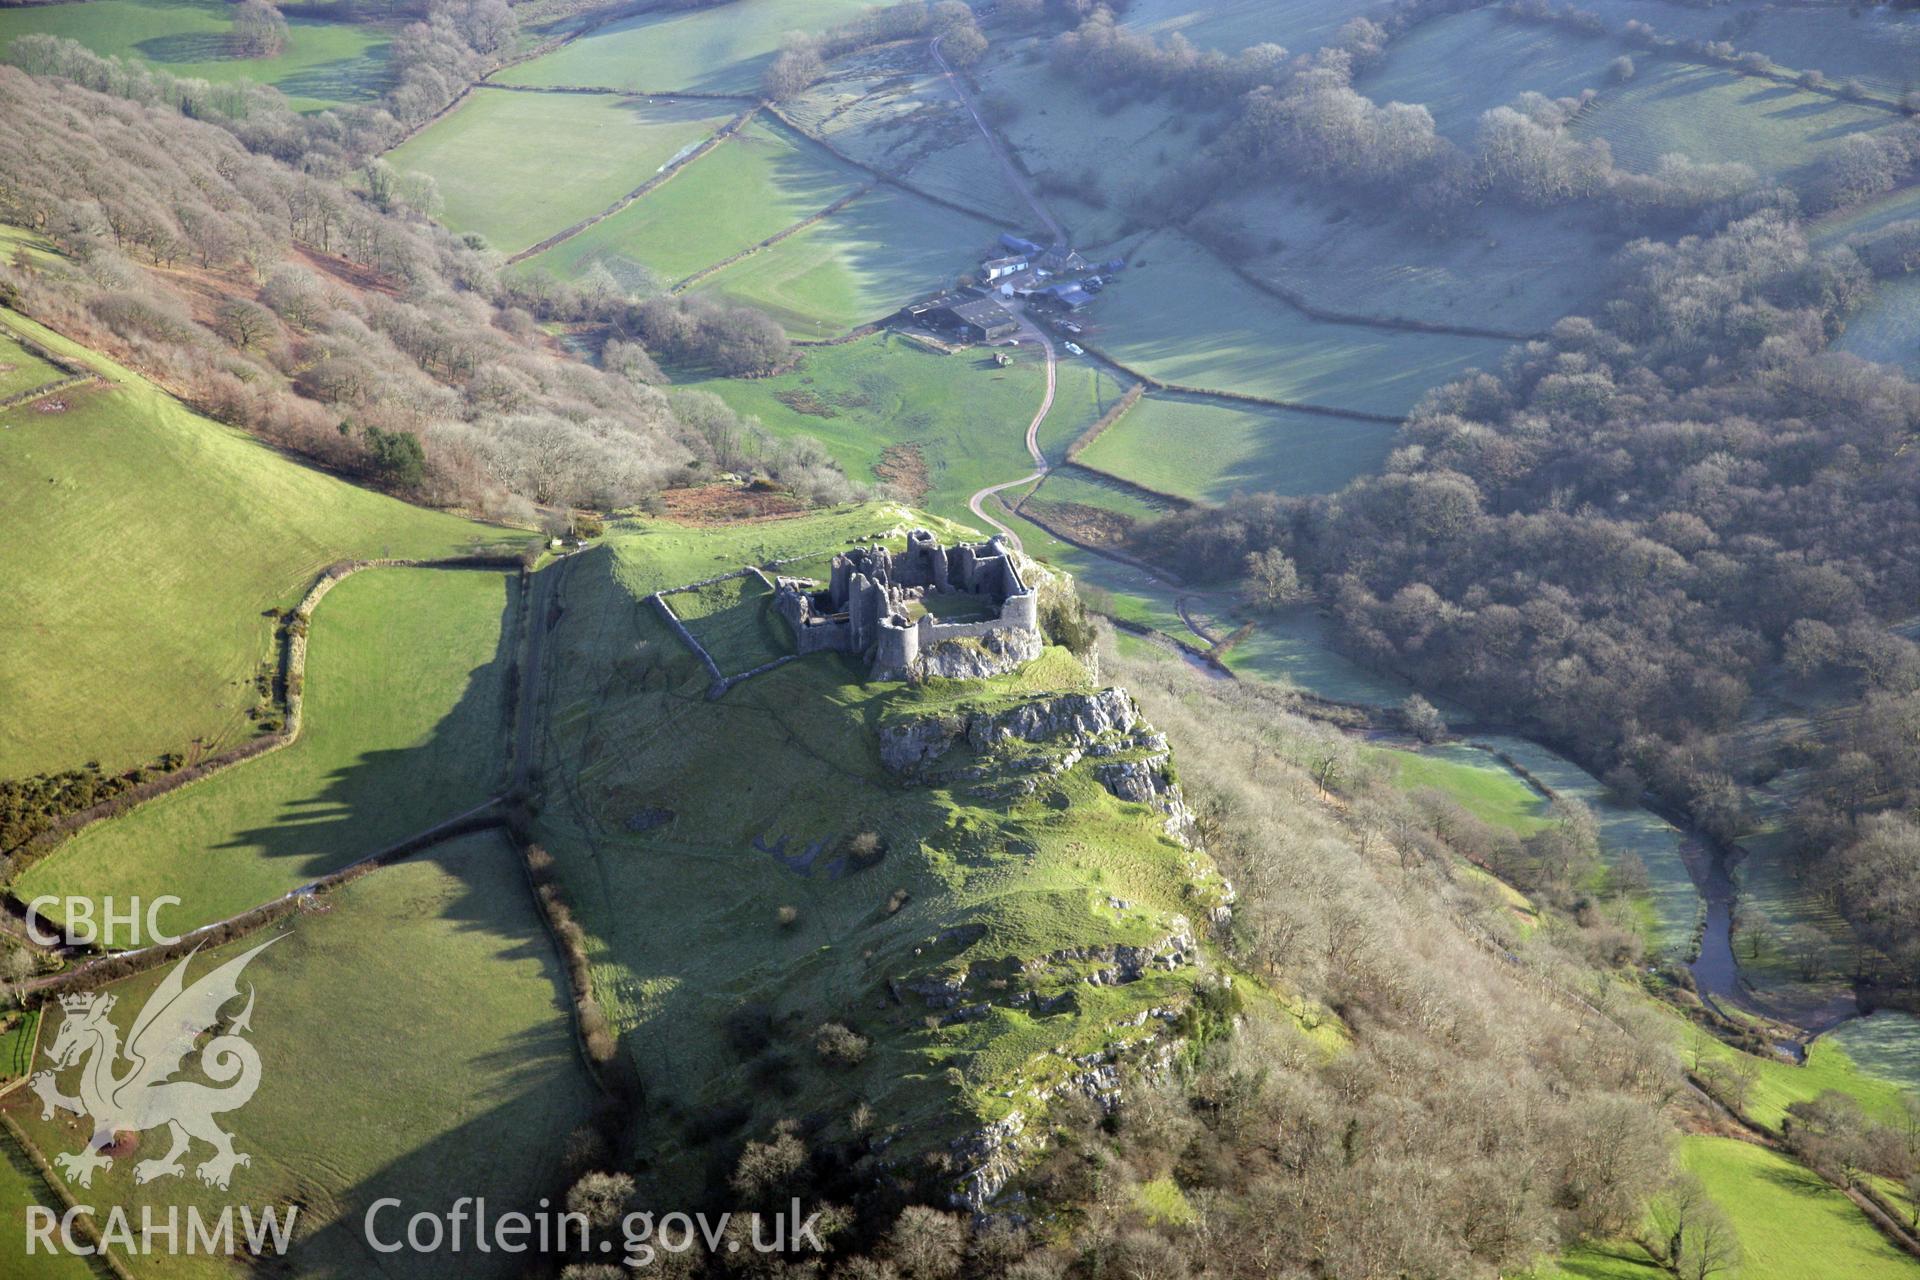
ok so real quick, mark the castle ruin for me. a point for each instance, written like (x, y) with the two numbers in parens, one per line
(897, 609)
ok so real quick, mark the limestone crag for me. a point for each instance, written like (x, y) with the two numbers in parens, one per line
(996, 653)
(1148, 780)
(1121, 963)
(911, 745)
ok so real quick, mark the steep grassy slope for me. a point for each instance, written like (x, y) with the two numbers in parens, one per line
(404, 727)
(409, 1034)
(712, 851)
(182, 531)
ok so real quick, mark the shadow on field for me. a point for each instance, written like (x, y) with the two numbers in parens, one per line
(188, 47)
(386, 796)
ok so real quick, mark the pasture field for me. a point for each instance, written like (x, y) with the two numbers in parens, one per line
(21, 371)
(749, 806)
(889, 108)
(409, 1033)
(1876, 44)
(1208, 451)
(1463, 64)
(950, 423)
(719, 50)
(1836, 227)
(1110, 587)
(1294, 646)
(1474, 780)
(517, 167)
(22, 1185)
(161, 650)
(325, 64)
(1075, 487)
(1067, 134)
(1611, 1260)
(1790, 1222)
(1506, 270)
(1766, 885)
(1829, 1065)
(1180, 316)
(734, 622)
(757, 183)
(405, 726)
(1712, 114)
(1673, 902)
(858, 266)
(1885, 1045)
(1887, 328)
(1232, 25)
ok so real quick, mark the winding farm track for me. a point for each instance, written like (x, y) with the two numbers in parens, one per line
(977, 503)
(1012, 171)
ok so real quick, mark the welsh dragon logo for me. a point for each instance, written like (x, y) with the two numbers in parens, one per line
(142, 1095)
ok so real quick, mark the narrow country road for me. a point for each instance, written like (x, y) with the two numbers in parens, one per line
(977, 503)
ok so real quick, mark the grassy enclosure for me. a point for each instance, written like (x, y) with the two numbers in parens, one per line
(325, 64)
(1711, 114)
(409, 1032)
(1182, 317)
(1463, 64)
(160, 652)
(732, 620)
(1507, 270)
(713, 49)
(757, 183)
(1208, 451)
(857, 266)
(1790, 1222)
(404, 727)
(939, 426)
(518, 167)
(1878, 44)
(21, 371)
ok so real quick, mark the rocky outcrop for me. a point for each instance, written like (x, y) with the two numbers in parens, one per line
(909, 746)
(996, 653)
(990, 1155)
(1149, 780)
(1121, 963)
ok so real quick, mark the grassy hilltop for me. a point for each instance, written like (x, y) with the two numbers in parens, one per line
(710, 849)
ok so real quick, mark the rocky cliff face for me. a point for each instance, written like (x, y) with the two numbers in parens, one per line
(1135, 763)
(998, 652)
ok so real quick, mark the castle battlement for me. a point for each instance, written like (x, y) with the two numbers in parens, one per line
(895, 609)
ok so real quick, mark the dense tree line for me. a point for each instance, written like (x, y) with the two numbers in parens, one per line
(362, 338)
(803, 58)
(1627, 530)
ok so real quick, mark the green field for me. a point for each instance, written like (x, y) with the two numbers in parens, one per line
(1513, 271)
(162, 648)
(1475, 781)
(713, 49)
(1791, 1224)
(325, 63)
(1209, 451)
(1877, 44)
(1463, 64)
(21, 371)
(1887, 328)
(1295, 646)
(857, 267)
(21, 1185)
(1232, 25)
(1712, 115)
(749, 803)
(1885, 1045)
(961, 416)
(1180, 316)
(759, 182)
(733, 622)
(410, 1033)
(518, 167)
(405, 726)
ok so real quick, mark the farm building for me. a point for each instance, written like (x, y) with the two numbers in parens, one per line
(1014, 244)
(996, 268)
(966, 315)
